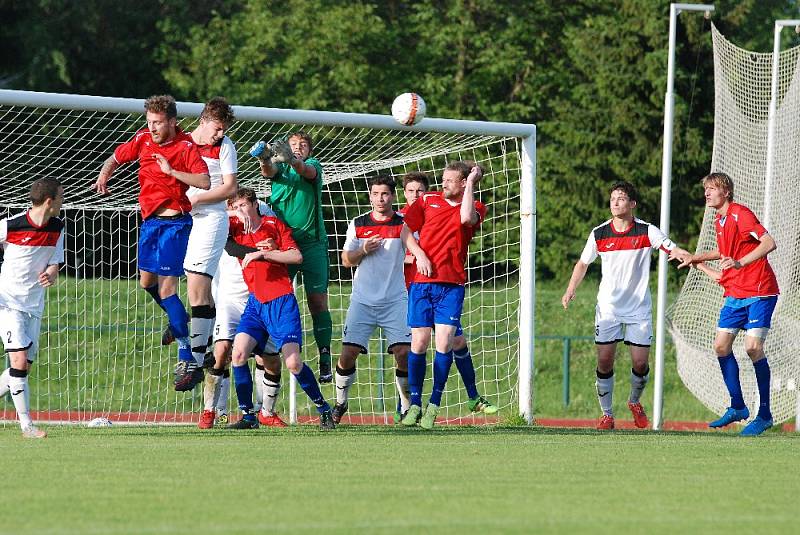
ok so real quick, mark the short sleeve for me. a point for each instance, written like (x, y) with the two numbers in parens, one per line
(58, 253)
(590, 250)
(3, 230)
(228, 161)
(128, 151)
(265, 209)
(194, 162)
(481, 209)
(415, 215)
(351, 242)
(748, 224)
(659, 240)
(235, 227)
(285, 233)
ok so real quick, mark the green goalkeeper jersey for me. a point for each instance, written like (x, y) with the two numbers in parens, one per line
(298, 202)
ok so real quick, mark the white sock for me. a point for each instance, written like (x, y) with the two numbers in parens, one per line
(271, 385)
(343, 383)
(605, 391)
(224, 393)
(258, 385)
(19, 394)
(4, 383)
(211, 391)
(403, 392)
(637, 385)
(201, 331)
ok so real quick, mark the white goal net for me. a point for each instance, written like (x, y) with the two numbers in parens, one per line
(743, 80)
(100, 353)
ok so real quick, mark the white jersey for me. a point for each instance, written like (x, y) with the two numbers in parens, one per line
(221, 160)
(27, 251)
(625, 256)
(379, 277)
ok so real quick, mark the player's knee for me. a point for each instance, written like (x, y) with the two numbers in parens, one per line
(722, 348)
(238, 357)
(754, 350)
(317, 302)
(294, 363)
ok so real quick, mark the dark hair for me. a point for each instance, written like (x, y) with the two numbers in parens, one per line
(627, 188)
(722, 181)
(381, 180)
(162, 104)
(304, 136)
(463, 167)
(218, 109)
(416, 176)
(246, 193)
(43, 189)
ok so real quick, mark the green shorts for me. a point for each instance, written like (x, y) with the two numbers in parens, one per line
(315, 266)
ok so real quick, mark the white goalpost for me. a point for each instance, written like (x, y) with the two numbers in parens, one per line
(99, 348)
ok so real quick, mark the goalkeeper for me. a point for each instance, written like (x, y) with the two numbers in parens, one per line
(297, 200)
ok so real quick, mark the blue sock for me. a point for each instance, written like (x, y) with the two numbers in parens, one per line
(441, 369)
(179, 324)
(244, 387)
(467, 371)
(310, 386)
(730, 374)
(763, 376)
(153, 291)
(417, 366)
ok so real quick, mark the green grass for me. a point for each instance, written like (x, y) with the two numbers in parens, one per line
(389, 480)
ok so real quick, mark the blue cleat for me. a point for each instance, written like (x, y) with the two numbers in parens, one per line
(756, 427)
(731, 415)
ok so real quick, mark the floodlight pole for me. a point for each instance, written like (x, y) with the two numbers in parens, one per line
(666, 185)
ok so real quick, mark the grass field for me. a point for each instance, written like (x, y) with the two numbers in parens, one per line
(389, 480)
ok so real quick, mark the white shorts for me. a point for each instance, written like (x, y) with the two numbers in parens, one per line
(206, 242)
(229, 314)
(362, 320)
(608, 329)
(20, 331)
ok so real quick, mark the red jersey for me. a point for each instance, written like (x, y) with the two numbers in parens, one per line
(410, 269)
(266, 280)
(738, 234)
(156, 189)
(442, 236)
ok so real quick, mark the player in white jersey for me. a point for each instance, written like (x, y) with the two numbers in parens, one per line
(230, 295)
(33, 248)
(375, 245)
(209, 223)
(623, 312)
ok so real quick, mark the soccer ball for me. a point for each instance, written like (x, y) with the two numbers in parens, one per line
(408, 109)
(99, 422)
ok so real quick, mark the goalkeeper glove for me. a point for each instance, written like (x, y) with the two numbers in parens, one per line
(281, 152)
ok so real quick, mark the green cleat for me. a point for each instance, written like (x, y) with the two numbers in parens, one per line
(429, 418)
(480, 404)
(412, 416)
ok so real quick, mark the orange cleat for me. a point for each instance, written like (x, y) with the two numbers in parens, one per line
(639, 417)
(606, 423)
(272, 420)
(207, 420)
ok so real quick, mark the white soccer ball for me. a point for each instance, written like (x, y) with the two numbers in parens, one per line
(99, 422)
(408, 109)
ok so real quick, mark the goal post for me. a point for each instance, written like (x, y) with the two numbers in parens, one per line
(99, 351)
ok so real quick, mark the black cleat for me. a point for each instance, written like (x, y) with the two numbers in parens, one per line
(248, 421)
(338, 411)
(167, 337)
(326, 422)
(187, 376)
(325, 372)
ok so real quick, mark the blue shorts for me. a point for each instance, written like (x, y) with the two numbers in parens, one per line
(747, 314)
(278, 320)
(432, 302)
(162, 244)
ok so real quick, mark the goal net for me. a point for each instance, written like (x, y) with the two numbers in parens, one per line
(743, 81)
(99, 349)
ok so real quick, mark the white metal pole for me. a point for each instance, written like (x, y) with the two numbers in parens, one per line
(527, 275)
(666, 186)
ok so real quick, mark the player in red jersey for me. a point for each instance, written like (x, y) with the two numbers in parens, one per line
(169, 163)
(271, 311)
(446, 222)
(751, 293)
(415, 185)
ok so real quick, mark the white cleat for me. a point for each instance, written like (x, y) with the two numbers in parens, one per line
(33, 432)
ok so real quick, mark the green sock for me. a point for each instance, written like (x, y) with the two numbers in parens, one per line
(323, 330)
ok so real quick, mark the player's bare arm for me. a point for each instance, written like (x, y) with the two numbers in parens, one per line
(109, 166)
(578, 273)
(198, 180)
(469, 216)
(290, 256)
(354, 258)
(220, 193)
(424, 265)
(714, 274)
(268, 167)
(766, 246)
(699, 257)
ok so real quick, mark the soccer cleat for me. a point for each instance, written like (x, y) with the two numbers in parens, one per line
(481, 404)
(606, 423)
(206, 420)
(756, 427)
(187, 376)
(325, 373)
(639, 416)
(167, 337)
(413, 416)
(248, 421)
(429, 418)
(270, 420)
(326, 422)
(222, 418)
(731, 415)
(33, 432)
(338, 411)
